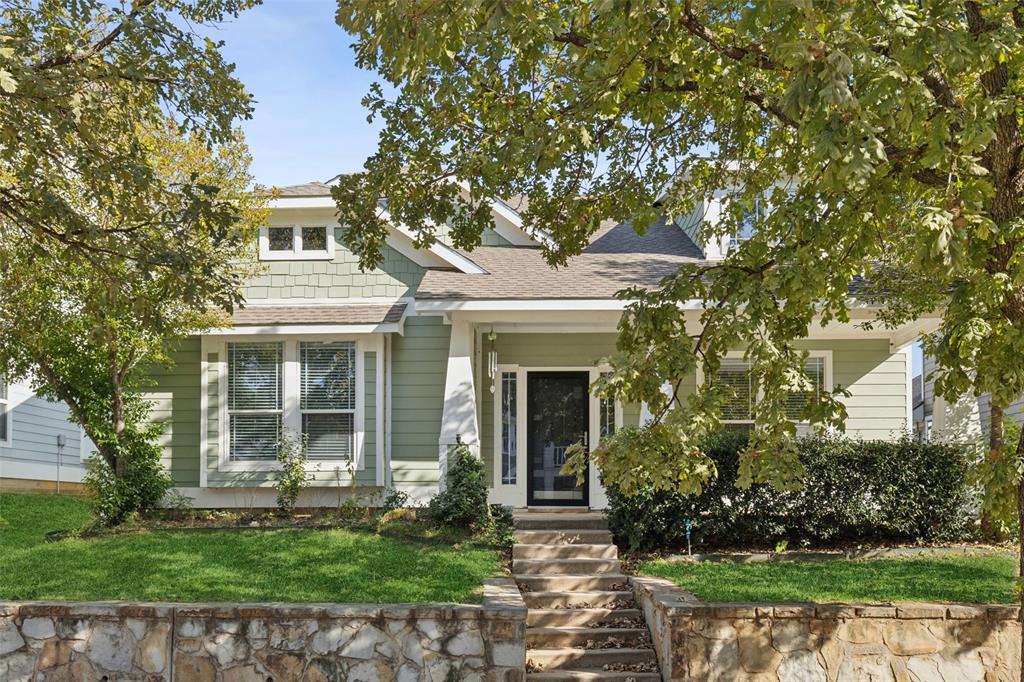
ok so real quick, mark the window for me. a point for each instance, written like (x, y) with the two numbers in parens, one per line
(297, 242)
(255, 402)
(282, 239)
(748, 222)
(739, 408)
(606, 412)
(5, 413)
(736, 375)
(815, 370)
(328, 398)
(508, 428)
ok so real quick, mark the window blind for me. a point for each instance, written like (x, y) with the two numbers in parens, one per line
(328, 375)
(796, 402)
(254, 400)
(736, 375)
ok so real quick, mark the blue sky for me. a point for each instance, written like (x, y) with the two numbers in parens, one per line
(309, 123)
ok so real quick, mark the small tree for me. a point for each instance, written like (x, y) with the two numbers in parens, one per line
(463, 502)
(87, 330)
(292, 476)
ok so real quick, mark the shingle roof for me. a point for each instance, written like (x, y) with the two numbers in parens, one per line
(307, 189)
(617, 258)
(264, 315)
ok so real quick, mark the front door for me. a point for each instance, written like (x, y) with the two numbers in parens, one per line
(557, 415)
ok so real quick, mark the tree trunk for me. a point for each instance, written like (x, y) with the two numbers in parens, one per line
(996, 445)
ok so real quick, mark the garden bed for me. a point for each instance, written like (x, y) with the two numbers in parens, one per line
(985, 578)
(405, 562)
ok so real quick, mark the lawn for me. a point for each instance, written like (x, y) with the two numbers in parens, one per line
(291, 565)
(974, 579)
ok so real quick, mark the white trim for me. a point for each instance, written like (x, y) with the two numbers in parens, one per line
(297, 252)
(8, 413)
(378, 460)
(204, 408)
(302, 202)
(387, 413)
(439, 249)
(908, 356)
(506, 493)
(829, 386)
(291, 414)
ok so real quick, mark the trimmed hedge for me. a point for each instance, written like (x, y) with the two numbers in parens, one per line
(854, 490)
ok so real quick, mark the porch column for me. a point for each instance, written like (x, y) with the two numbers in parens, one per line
(459, 416)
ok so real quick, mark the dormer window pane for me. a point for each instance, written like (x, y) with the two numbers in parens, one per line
(282, 239)
(314, 239)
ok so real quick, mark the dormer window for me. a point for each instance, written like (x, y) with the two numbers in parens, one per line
(748, 223)
(297, 242)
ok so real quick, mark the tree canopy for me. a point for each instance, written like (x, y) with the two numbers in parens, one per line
(885, 137)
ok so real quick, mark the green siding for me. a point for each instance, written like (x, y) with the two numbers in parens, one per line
(338, 278)
(419, 364)
(175, 398)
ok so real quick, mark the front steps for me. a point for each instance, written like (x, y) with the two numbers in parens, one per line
(582, 624)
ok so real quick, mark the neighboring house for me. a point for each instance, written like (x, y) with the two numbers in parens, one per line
(385, 371)
(40, 449)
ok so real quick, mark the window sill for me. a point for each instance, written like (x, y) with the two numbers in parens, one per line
(301, 255)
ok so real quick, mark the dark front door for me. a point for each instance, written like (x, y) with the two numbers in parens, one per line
(556, 417)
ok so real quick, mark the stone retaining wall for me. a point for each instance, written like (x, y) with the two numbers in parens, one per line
(699, 641)
(259, 642)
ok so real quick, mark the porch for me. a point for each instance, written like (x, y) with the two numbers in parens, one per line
(518, 376)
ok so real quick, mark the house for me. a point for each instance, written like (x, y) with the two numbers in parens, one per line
(385, 371)
(40, 448)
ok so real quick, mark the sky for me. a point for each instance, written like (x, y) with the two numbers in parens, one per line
(308, 122)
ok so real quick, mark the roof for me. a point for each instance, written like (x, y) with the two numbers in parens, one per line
(307, 189)
(355, 314)
(616, 258)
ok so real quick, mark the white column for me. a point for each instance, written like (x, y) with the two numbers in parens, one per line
(459, 417)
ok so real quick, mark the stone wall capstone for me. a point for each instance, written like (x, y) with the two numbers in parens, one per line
(58, 641)
(699, 641)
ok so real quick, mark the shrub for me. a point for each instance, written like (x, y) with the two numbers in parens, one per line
(138, 489)
(463, 503)
(868, 491)
(291, 477)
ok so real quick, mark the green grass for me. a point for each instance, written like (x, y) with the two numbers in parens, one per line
(292, 565)
(975, 579)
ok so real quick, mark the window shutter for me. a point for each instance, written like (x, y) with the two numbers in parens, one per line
(328, 376)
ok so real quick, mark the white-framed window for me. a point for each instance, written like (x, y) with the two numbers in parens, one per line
(5, 413)
(328, 398)
(508, 433)
(738, 409)
(291, 387)
(255, 400)
(296, 242)
(749, 220)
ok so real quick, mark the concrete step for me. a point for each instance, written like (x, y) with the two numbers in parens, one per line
(564, 537)
(566, 599)
(592, 676)
(567, 618)
(552, 638)
(565, 566)
(580, 551)
(567, 658)
(556, 521)
(572, 583)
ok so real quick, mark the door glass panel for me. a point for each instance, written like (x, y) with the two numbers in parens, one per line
(557, 418)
